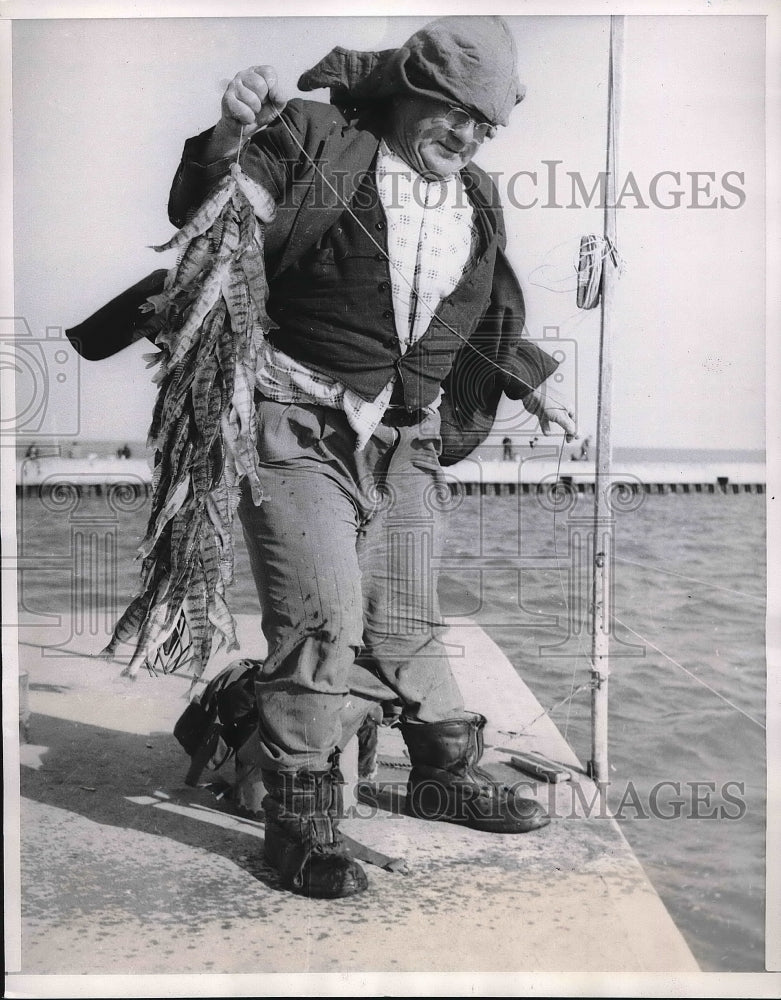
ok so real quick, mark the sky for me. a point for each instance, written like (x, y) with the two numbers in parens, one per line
(101, 108)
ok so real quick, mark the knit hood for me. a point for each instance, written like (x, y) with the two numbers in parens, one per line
(468, 60)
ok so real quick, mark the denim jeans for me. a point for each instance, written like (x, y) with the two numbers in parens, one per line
(343, 550)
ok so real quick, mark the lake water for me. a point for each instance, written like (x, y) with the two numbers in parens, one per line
(689, 579)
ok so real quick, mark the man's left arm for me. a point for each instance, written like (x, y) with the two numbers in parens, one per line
(526, 367)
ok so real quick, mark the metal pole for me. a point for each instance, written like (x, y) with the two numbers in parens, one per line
(602, 536)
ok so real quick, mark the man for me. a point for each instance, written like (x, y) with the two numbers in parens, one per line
(396, 324)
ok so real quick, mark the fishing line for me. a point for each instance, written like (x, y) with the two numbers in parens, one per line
(434, 315)
(545, 712)
(568, 699)
(546, 265)
(690, 674)
(692, 579)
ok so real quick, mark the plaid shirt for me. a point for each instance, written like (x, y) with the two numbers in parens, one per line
(431, 242)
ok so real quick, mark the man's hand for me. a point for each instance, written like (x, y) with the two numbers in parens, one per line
(549, 412)
(251, 100)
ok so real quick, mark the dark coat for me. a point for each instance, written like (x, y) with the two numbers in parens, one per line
(344, 150)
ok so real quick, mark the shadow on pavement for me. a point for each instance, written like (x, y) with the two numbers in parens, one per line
(95, 772)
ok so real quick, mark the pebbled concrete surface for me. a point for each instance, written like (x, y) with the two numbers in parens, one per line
(125, 870)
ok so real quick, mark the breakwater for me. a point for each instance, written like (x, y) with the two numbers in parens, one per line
(533, 475)
(95, 476)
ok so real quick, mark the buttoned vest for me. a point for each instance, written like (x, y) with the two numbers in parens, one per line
(334, 310)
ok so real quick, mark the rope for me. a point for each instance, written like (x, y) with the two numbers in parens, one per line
(583, 273)
(690, 674)
(593, 252)
(693, 579)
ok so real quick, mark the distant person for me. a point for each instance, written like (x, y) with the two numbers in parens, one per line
(584, 450)
(507, 450)
(123, 452)
(33, 455)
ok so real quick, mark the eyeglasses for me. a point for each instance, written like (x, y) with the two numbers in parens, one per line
(458, 118)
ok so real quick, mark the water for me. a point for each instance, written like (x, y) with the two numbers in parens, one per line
(664, 726)
(512, 563)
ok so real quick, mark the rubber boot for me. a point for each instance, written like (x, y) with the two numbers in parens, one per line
(446, 784)
(302, 840)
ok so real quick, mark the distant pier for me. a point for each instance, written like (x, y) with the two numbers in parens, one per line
(90, 476)
(544, 474)
(472, 477)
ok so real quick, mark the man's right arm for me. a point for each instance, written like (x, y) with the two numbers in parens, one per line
(251, 103)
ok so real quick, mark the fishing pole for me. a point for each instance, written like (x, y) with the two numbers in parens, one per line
(601, 602)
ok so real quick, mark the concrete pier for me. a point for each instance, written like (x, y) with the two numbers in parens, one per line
(125, 870)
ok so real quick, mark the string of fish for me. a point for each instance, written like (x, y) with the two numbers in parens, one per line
(203, 428)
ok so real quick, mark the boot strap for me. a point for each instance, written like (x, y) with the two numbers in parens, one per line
(319, 836)
(354, 848)
(361, 852)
